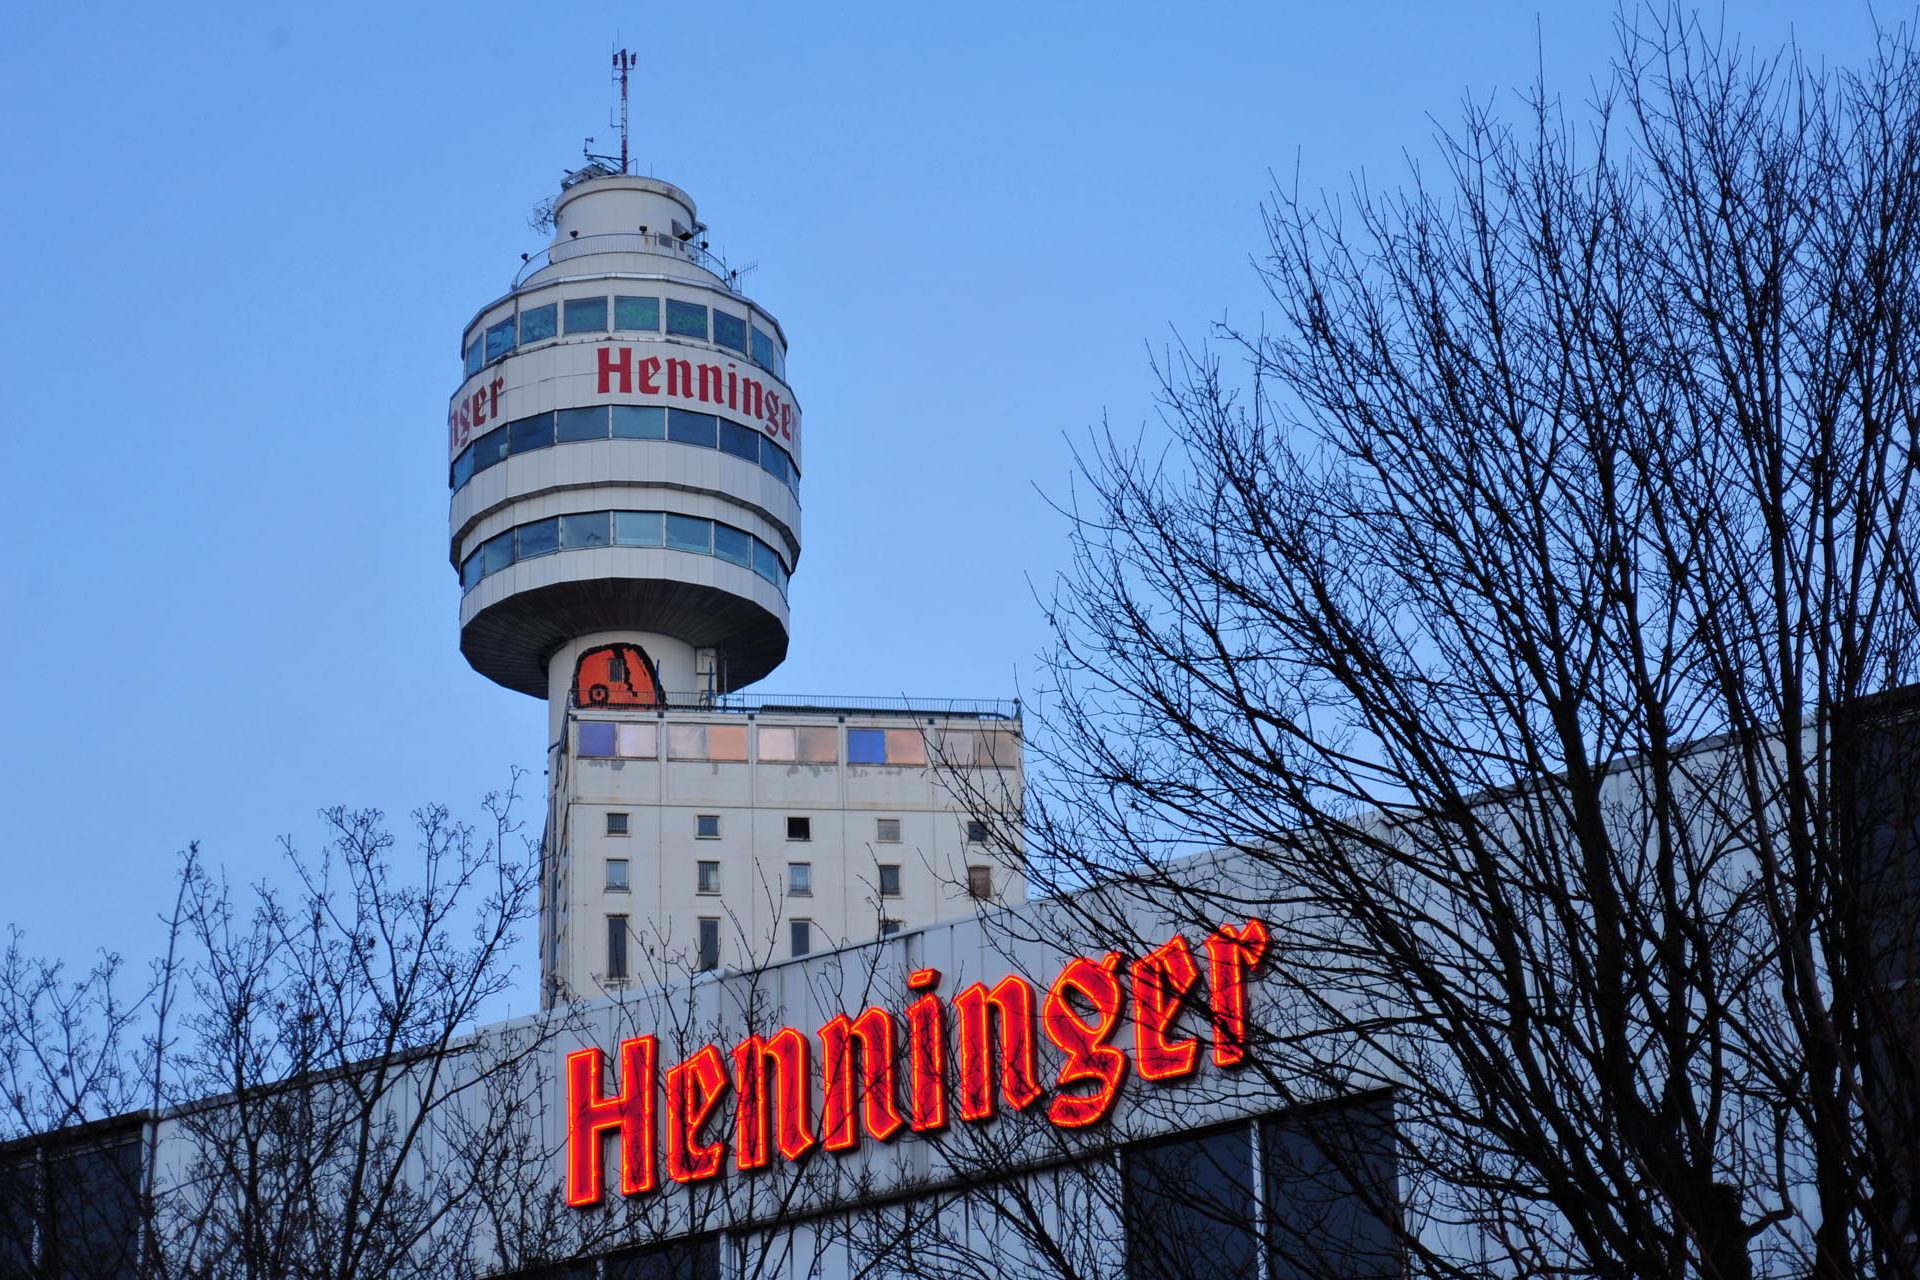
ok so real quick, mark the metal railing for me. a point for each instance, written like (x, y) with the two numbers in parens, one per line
(654, 242)
(822, 704)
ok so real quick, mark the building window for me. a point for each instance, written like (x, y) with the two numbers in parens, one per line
(709, 877)
(980, 882)
(616, 824)
(636, 313)
(976, 831)
(800, 879)
(686, 319)
(617, 875)
(799, 828)
(586, 315)
(890, 927)
(886, 830)
(706, 826)
(616, 948)
(537, 324)
(709, 957)
(1189, 1208)
(889, 880)
(1332, 1192)
(802, 936)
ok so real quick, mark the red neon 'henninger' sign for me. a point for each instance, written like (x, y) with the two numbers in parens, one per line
(770, 1079)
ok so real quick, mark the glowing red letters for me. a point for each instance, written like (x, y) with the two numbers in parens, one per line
(994, 1057)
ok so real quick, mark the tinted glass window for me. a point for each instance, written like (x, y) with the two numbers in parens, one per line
(489, 449)
(471, 572)
(538, 538)
(687, 319)
(589, 530)
(739, 441)
(463, 467)
(498, 552)
(730, 331)
(689, 533)
(473, 357)
(763, 348)
(709, 944)
(772, 461)
(1189, 1209)
(802, 937)
(866, 746)
(636, 313)
(500, 339)
(766, 562)
(586, 315)
(636, 528)
(691, 428)
(889, 880)
(1332, 1194)
(537, 324)
(616, 947)
(731, 544)
(528, 434)
(639, 422)
(596, 738)
(582, 424)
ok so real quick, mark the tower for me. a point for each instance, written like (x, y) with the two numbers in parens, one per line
(625, 461)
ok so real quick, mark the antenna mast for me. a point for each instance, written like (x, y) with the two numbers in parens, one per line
(623, 62)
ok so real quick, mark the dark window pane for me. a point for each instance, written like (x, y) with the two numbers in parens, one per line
(772, 460)
(463, 467)
(732, 544)
(681, 1260)
(537, 539)
(689, 533)
(616, 945)
(500, 339)
(686, 319)
(471, 572)
(589, 530)
(636, 313)
(586, 315)
(1189, 1208)
(489, 449)
(889, 880)
(636, 528)
(498, 552)
(691, 428)
(709, 944)
(537, 324)
(582, 424)
(766, 561)
(1332, 1194)
(596, 737)
(866, 746)
(763, 348)
(639, 422)
(739, 441)
(474, 359)
(802, 937)
(730, 331)
(528, 434)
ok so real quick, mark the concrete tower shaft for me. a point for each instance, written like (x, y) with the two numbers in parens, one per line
(624, 455)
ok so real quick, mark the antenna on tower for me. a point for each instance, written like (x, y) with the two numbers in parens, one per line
(623, 62)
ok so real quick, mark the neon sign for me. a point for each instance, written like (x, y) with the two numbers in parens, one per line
(995, 1059)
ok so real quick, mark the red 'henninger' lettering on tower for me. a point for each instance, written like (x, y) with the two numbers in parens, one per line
(994, 1051)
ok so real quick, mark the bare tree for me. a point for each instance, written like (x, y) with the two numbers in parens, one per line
(1527, 622)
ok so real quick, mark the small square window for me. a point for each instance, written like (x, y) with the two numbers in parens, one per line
(617, 875)
(889, 880)
(802, 934)
(976, 831)
(596, 738)
(709, 877)
(890, 927)
(799, 828)
(800, 879)
(980, 882)
(887, 830)
(706, 826)
(616, 824)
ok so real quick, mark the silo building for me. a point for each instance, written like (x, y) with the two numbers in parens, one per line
(625, 454)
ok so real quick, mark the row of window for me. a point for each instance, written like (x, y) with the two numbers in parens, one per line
(799, 744)
(623, 422)
(707, 945)
(706, 826)
(623, 529)
(627, 314)
(799, 878)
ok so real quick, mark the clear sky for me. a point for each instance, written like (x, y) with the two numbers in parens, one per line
(242, 242)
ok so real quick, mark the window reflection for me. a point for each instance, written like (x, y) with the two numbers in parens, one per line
(729, 331)
(636, 313)
(537, 324)
(686, 319)
(586, 315)
(499, 339)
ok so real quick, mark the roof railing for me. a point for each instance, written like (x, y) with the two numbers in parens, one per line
(654, 242)
(816, 704)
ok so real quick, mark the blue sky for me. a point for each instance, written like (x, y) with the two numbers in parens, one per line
(243, 241)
